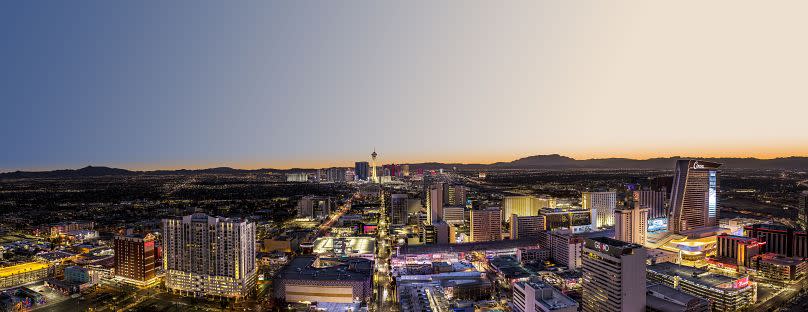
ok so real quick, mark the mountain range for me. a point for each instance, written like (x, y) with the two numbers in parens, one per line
(553, 161)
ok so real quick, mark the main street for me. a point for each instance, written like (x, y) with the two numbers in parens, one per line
(383, 290)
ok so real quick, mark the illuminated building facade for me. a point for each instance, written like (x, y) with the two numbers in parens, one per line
(526, 227)
(373, 176)
(724, 293)
(694, 197)
(631, 225)
(654, 201)
(209, 256)
(565, 248)
(24, 273)
(524, 206)
(779, 239)
(135, 258)
(802, 211)
(575, 220)
(456, 195)
(486, 225)
(780, 268)
(434, 208)
(741, 249)
(332, 280)
(315, 206)
(398, 209)
(603, 203)
(536, 296)
(614, 276)
(454, 214)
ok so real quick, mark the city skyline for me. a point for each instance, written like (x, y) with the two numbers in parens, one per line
(297, 85)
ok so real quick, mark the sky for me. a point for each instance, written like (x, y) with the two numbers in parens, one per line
(259, 84)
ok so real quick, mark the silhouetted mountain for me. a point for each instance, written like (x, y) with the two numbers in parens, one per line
(553, 161)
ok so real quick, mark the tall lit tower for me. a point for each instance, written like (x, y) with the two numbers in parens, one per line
(373, 177)
(694, 201)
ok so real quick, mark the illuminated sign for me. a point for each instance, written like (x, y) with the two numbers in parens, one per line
(697, 165)
(741, 283)
(601, 246)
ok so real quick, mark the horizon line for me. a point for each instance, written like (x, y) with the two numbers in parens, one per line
(255, 166)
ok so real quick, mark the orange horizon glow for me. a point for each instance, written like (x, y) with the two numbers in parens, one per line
(446, 159)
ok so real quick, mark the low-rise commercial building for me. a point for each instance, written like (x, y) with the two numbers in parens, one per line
(337, 280)
(24, 273)
(536, 296)
(724, 293)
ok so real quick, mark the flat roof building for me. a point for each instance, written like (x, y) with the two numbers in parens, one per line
(614, 276)
(724, 293)
(336, 280)
(536, 296)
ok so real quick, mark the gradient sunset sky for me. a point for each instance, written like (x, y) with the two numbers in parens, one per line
(186, 84)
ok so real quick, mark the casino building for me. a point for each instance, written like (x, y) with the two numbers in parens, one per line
(614, 276)
(694, 200)
(724, 293)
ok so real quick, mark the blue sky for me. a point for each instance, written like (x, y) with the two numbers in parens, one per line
(153, 84)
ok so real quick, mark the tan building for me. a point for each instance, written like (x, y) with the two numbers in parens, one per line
(486, 225)
(135, 258)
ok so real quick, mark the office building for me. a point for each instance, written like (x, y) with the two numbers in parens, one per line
(524, 206)
(724, 293)
(526, 227)
(454, 214)
(654, 201)
(209, 256)
(361, 170)
(737, 250)
(335, 174)
(536, 296)
(297, 177)
(135, 258)
(779, 239)
(661, 298)
(436, 233)
(486, 225)
(398, 209)
(614, 276)
(603, 203)
(631, 225)
(434, 208)
(456, 195)
(694, 196)
(575, 220)
(315, 206)
(802, 211)
(325, 280)
(565, 248)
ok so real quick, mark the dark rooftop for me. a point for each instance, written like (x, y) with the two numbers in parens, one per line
(300, 268)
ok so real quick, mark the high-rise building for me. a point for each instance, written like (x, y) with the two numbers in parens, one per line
(405, 170)
(779, 239)
(361, 169)
(565, 248)
(486, 225)
(434, 209)
(456, 195)
(209, 256)
(454, 214)
(614, 276)
(335, 174)
(436, 233)
(603, 204)
(654, 201)
(524, 206)
(526, 227)
(536, 296)
(398, 209)
(741, 249)
(694, 199)
(802, 211)
(315, 206)
(135, 258)
(631, 224)
(576, 220)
